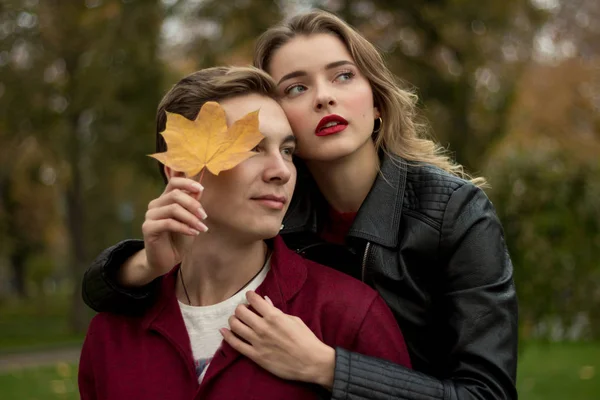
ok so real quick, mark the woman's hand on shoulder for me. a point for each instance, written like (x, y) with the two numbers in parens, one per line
(280, 343)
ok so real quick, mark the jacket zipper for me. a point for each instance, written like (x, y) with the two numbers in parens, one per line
(364, 261)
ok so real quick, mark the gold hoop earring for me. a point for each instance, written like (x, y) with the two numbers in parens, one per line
(380, 124)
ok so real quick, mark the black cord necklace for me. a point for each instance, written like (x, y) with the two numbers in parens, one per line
(187, 296)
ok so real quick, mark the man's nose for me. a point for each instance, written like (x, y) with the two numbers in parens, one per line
(278, 169)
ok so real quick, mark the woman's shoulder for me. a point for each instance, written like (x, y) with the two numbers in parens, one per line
(433, 175)
(429, 190)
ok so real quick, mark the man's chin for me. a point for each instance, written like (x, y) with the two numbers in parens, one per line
(267, 231)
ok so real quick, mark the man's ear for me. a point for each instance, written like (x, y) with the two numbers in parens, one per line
(170, 173)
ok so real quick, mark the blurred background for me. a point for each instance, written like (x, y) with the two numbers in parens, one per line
(511, 87)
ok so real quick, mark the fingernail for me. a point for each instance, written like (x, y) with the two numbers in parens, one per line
(268, 300)
(202, 214)
(199, 187)
(194, 232)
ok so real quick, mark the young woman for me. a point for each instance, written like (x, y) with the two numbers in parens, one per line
(174, 350)
(379, 202)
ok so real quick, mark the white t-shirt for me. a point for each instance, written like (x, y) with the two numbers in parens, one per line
(203, 323)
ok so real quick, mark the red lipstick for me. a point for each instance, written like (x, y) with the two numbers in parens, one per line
(330, 125)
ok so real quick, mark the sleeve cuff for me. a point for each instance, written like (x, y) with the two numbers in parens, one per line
(100, 289)
(341, 374)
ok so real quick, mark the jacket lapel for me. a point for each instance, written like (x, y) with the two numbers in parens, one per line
(166, 319)
(378, 219)
(286, 277)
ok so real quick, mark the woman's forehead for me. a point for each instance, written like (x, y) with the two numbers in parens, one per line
(307, 52)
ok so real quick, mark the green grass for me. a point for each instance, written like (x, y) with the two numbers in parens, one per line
(546, 371)
(549, 371)
(36, 323)
(58, 382)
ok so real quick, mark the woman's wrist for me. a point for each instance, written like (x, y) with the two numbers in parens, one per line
(135, 271)
(323, 370)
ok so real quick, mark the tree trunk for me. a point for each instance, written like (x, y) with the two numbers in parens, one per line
(17, 261)
(19, 250)
(75, 220)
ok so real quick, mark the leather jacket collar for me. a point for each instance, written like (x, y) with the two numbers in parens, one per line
(378, 219)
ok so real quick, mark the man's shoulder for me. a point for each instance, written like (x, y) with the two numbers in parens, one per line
(108, 323)
(316, 278)
(337, 286)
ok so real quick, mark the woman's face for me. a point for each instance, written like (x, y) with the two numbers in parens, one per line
(327, 100)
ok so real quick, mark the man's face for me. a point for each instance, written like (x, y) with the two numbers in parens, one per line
(249, 201)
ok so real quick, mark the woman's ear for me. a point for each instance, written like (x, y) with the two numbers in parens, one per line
(376, 112)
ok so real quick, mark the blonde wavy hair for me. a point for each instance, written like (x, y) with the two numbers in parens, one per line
(400, 133)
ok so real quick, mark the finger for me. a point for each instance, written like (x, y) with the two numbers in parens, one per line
(269, 301)
(261, 306)
(177, 213)
(156, 228)
(241, 329)
(237, 343)
(186, 184)
(184, 199)
(248, 317)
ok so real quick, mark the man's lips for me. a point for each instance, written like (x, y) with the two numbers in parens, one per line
(330, 124)
(271, 201)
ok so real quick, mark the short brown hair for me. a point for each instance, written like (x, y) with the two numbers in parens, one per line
(188, 95)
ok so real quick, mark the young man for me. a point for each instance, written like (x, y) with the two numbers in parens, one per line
(174, 350)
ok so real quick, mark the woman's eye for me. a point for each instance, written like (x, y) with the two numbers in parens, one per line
(256, 149)
(345, 76)
(295, 90)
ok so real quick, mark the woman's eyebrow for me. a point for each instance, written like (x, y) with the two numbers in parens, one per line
(299, 73)
(291, 75)
(336, 64)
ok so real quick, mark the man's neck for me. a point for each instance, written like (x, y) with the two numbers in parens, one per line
(215, 269)
(345, 183)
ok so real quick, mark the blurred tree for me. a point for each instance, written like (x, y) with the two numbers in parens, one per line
(546, 184)
(462, 57)
(548, 203)
(30, 208)
(83, 78)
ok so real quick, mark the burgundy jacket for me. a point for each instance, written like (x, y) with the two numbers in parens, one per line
(150, 356)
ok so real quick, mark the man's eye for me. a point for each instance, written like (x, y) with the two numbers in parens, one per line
(288, 151)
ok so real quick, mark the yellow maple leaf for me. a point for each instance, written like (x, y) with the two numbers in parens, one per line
(206, 142)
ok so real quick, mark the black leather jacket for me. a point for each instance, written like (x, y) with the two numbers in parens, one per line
(432, 246)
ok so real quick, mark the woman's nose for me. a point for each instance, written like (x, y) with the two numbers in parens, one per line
(324, 98)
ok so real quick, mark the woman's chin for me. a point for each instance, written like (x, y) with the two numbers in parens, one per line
(334, 151)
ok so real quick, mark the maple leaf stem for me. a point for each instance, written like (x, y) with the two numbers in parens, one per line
(202, 175)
